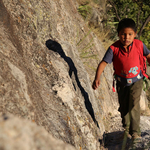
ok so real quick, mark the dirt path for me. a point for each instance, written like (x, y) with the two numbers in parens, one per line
(112, 139)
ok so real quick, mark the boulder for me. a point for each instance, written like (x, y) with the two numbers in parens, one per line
(22, 134)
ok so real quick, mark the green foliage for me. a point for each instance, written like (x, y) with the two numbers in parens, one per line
(81, 40)
(96, 1)
(84, 51)
(136, 9)
(145, 84)
(146, 36)
(84, 10)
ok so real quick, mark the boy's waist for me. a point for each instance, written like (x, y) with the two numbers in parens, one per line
(129, 81)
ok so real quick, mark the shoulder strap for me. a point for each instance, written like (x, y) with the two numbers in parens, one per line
(139, 44)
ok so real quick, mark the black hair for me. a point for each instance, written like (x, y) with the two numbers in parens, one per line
(126, 23)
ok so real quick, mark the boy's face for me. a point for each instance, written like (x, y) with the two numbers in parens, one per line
(127, 36)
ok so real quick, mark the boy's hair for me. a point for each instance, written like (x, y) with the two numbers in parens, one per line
(126, 23)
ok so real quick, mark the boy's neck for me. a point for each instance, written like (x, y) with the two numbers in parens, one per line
(126, 48)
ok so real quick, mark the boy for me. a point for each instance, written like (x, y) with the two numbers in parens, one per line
(126, 57)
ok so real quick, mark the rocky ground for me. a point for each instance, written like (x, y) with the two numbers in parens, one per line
(112, 140)
(17, 133)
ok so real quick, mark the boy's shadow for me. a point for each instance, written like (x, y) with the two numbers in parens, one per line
(116, 141)
(56, 47)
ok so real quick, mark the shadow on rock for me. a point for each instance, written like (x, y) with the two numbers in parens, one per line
(116, 141)
(56, 47)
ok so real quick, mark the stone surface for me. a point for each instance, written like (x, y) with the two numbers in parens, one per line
(21, 134)
(50, 87)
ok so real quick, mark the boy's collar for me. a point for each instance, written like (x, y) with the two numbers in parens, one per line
(128, 46)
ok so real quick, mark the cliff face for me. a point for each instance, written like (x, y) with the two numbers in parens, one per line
(20, 134)
(43, 78)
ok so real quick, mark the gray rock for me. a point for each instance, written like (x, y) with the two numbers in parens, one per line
(21, 134)
(49, 86)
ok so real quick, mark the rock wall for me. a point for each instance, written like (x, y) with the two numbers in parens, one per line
(48, 59)
(20, 134)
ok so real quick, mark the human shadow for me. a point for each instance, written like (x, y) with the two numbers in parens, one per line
(56, 47)
(116, 141)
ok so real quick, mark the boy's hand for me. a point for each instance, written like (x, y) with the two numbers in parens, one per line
(99, 71)
(96, 83)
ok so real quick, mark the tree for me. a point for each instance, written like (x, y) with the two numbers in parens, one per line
(138, 10)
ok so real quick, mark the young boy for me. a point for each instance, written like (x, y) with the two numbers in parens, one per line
(126, 56)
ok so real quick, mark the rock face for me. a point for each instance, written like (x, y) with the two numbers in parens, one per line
(20, 134)
(46, 81)
(44, 76)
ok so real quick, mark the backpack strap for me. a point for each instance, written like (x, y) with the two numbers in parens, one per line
(114, 83)
(139, 44)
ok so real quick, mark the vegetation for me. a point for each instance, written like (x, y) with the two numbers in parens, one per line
(85, 10)
(93, 12)
(138, 10)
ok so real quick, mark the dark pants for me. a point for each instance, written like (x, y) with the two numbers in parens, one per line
(129, 101)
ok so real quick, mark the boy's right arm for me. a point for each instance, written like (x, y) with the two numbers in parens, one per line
(99, 71)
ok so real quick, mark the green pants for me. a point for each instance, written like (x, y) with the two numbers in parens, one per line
(129, 101)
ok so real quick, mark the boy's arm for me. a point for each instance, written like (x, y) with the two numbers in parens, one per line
(148, 58)
(99, 71)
